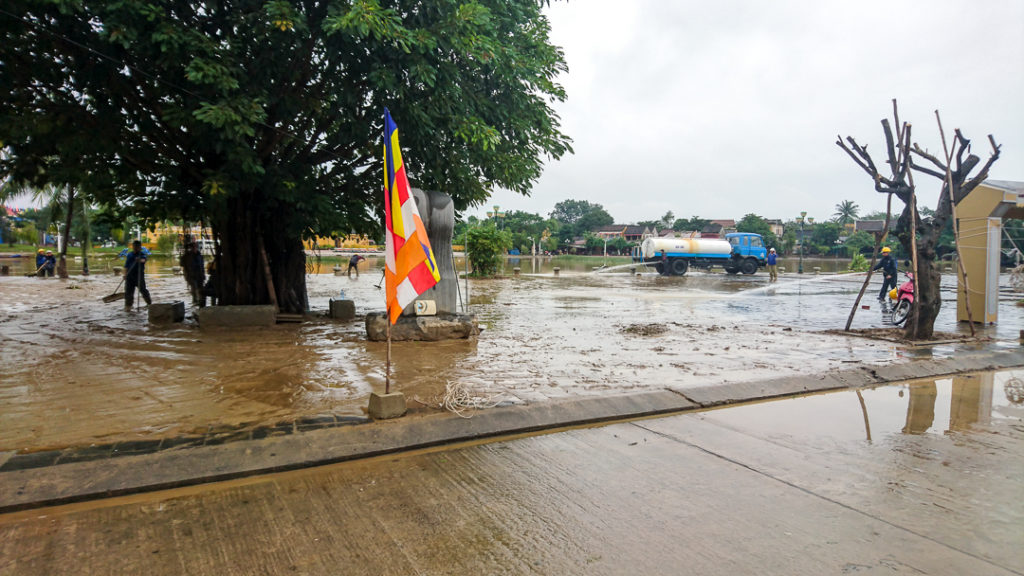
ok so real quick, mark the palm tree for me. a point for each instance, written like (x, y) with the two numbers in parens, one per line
(846, 212)
(62, 201)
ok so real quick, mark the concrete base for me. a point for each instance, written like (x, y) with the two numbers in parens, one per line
(342, 309)
(384, 406)
(166, 312)
(426, 328)
(235, 316)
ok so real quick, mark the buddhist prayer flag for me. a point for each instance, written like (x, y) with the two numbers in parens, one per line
(410, 267)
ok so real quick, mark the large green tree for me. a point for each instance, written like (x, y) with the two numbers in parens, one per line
(578, 217)
(263, 117)
(690, 224)
(757, 225)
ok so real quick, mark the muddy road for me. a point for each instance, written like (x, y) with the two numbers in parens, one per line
(76, 371)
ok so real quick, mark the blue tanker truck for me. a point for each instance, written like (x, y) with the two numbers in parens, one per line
(738, 252)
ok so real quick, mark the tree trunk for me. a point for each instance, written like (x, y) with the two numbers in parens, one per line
(86, 240)
(929, 298)
(62, 261)
(241, 278)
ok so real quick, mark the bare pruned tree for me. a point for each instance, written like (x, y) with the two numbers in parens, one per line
(903, 159)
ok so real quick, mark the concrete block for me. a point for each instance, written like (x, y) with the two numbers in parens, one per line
(166, 312)
(235, 316)
(427, 328)
(516, 271)
(342, 309)
(384, 406)
(556, 270)
(118, 270)
(5, 270)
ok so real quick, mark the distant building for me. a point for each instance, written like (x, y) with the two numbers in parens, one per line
(718, 229)
(777, 227)
(628, 232)
(874, 226)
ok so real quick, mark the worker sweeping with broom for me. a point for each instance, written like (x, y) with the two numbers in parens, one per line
(135, 276)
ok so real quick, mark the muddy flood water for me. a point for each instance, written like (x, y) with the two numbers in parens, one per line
(75, 371)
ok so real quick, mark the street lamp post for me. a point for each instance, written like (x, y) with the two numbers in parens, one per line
(497, 216)
(800, 267)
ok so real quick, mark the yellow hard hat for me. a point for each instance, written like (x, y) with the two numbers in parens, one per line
(41, 251)
(886, 250)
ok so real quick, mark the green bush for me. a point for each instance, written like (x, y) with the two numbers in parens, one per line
(486, 246)
(166, 243)
(859, 263)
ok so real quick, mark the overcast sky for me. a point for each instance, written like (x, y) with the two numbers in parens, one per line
(719, 109)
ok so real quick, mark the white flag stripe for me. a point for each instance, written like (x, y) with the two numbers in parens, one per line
(389, 251)
(406, 293)
(408, 222)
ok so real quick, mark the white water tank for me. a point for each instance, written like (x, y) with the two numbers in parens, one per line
(651, 247)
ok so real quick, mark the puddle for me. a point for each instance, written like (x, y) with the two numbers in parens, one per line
(942, 407)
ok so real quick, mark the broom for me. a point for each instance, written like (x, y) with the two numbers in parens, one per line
(117, 295)
(36, 273)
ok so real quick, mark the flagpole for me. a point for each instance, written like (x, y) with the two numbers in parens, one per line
(387, 370)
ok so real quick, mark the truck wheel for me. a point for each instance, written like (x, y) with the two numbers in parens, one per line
(748, 266)
(679, 267)
(730, 269)
(660, 268)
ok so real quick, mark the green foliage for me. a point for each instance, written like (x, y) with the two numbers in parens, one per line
(165, 244)
(593, 243)
(825, 234)
(846, 212)
(579, 216)
(620, 244)
(859, 263)
(858, 241)
(27, 233)
(266, 117)
(788, 240)
(693, 223)
(757, 225)
(485, 247)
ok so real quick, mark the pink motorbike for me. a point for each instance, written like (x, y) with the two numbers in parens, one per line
(903, 298)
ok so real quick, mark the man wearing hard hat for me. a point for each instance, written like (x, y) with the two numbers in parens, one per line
(888, 266)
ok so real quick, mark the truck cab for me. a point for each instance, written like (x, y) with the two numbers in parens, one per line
(748, 252)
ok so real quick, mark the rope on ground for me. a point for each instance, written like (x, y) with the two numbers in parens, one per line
(457, 399)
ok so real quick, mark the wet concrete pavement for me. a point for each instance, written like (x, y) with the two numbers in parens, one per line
(917, 478)
(79, 373)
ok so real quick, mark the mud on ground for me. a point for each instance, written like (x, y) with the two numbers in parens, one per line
(77, 371)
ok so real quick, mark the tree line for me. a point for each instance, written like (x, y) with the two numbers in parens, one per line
(573, 220)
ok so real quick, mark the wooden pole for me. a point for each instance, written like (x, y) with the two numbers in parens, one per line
(916, 305)
(268, 275)
(874, 255)
(387, 368)
(956, 225)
